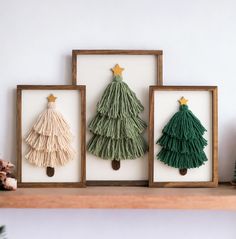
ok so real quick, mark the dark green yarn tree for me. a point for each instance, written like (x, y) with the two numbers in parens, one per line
(117, 128)
(182, 140)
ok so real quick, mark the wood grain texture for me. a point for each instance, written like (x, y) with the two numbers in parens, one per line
(82, 90)
(213, 90)
(83, 135)
(74, 68)
(19, 133)
(123, 183)
(160, 69)
(117, 52)
(221, 198)
(215, 135)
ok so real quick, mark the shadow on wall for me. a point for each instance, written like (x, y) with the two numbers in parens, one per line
(10, 129)
(66, 64)
(228, 143)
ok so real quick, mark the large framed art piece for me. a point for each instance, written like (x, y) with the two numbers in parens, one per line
(117, 84)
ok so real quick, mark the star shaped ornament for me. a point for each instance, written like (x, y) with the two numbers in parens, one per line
(117, 70)
(183, 101)
(51, 98)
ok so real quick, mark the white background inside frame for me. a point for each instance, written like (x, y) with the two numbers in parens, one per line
(68, 103)
(94, 72)
(165, 106)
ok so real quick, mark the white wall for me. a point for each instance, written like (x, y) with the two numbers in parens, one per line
(118, 224)
(199, 43)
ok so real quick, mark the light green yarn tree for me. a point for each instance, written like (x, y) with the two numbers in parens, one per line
(182, 140)
(117, 128)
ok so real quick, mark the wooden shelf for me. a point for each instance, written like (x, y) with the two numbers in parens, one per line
(222, 197)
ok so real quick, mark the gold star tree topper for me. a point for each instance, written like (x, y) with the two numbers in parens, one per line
(51, 98)
(183, 101)
(117, 70)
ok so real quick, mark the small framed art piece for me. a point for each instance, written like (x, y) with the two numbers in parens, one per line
(117, 84)
(183, 136)
(51, 136)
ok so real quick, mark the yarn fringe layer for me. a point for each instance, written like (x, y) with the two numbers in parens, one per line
(181, 160)
(118, 101)
(108, 148)
(129, 127)
(49, 159)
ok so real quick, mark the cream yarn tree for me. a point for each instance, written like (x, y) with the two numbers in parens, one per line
(50, 139)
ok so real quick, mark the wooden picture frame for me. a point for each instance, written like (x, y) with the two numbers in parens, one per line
(78, 78)
(160, 110)
(79, 98)
(157, 53)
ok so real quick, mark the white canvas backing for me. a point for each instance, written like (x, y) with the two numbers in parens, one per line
(165, 106)
(68, 103)
(94, 72)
